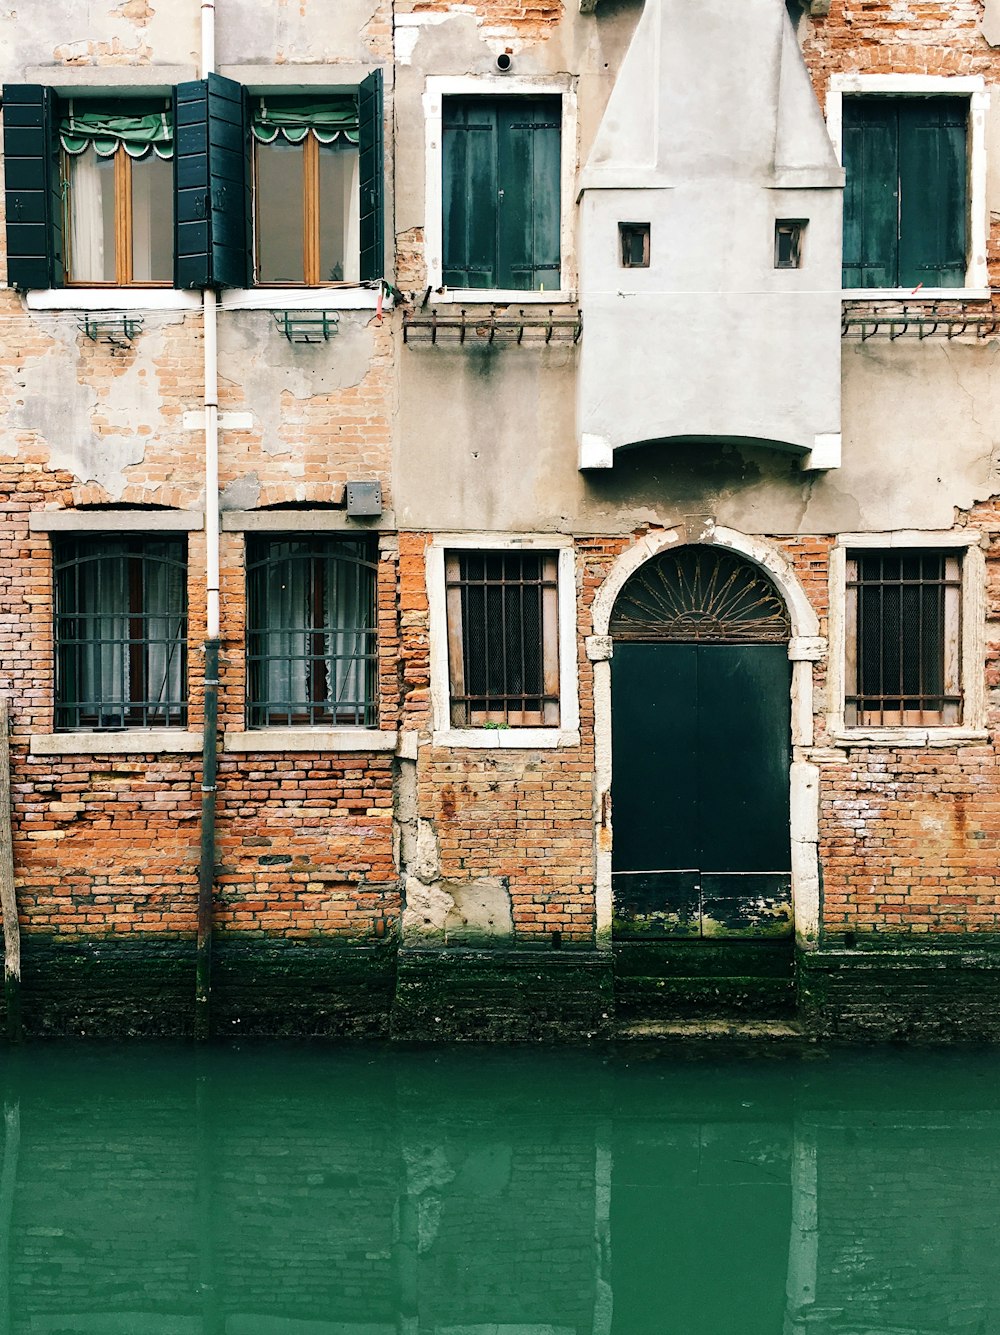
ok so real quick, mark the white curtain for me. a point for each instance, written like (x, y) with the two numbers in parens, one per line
(89, 178)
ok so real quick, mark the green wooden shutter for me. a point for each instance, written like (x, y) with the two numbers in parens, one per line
(34, 202)
(212, 227)
(469, 192)
(871, 195)
(528, 143)
(371, 176)
(933, 209)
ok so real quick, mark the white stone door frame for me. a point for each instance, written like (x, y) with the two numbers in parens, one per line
(804, 648)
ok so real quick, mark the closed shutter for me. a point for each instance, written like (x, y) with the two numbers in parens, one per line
(469, 192)
(371, 176)
(871, 194)
(933, 192)
(501, 192)
(31, 170)
(906, 197)
(529, 165)
(212, 184)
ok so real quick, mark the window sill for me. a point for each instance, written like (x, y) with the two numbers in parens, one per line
(113, 299)
(479, 296)
(906, 737)
(925, 294)
(311, 739)
(486, 297)
(507, 739)
(303, 298)
(135, 741)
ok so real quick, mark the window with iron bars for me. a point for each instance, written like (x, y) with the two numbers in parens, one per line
(311, 637)
(903, 642)
(503, 641)
(120, 633)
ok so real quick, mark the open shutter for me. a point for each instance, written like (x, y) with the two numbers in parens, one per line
(470, 192)
(371, 172)
(31, 169)
(529, 136)
(933, 208)
(211, 184)
(871, 194)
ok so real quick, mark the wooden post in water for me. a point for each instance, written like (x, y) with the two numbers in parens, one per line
(8, 898)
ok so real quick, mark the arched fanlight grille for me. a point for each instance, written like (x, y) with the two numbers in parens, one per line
(700, 594)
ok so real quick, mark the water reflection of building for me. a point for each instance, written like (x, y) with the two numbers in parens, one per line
(498, 1201)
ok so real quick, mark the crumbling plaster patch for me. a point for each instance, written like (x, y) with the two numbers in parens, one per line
(127, 406)
(278, 380)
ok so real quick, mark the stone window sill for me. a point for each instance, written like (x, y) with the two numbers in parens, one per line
(908, 295)
(135, 741)
(507, 739)
(476, 296)
(312, 739)
(113, 299)
(303, 299)
(907, 737)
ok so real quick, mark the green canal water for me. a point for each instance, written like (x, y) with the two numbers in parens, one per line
(377, 1191)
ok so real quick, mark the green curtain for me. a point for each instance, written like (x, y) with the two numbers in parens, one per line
(330, 119)
(140, 130)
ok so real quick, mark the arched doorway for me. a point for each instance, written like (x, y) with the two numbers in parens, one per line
(700, 681)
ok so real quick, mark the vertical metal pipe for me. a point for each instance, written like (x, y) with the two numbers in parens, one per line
(8, 897)
(209, 761)
(206, 869)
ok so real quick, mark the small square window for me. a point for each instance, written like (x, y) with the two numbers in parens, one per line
(634, 239)
(788, 237)
(503, 638)
(903, 638)
(120, 633)
(118, 190)
(311, 636)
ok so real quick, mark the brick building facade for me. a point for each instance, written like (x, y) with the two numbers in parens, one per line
(590, 326)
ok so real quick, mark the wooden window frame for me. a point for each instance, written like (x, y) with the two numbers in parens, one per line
(463, 714)
(124, 259)
(310, 220)
(626, 232)
(951, 712)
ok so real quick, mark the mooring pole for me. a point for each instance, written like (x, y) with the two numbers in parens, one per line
(8, 897)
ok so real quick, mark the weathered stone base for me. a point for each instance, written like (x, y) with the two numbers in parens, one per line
(510, 995)
(935, 995)
(135, 986)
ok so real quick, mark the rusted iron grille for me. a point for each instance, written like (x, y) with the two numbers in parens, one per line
(120, 633)
(503, 645)
(904, 610)
(700, 595)
(311, 637)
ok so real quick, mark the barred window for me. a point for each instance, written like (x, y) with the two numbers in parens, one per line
(903, 651)
(120, 632)
(311, 639)
(503, 638)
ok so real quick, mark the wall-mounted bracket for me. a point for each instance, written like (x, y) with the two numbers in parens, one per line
(306, 326)
(118, 330)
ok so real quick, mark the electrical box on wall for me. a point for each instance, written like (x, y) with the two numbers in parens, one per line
(364, 499)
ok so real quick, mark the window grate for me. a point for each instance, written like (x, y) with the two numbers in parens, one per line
(903, 617)
(311, 637)
(502, 618)
(120, 633)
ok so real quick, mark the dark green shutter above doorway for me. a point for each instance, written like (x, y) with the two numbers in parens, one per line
(906, 198)
(212, 208)
(31, 169)
(501, 192)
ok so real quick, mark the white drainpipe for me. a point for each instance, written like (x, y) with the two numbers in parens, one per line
(210, 314)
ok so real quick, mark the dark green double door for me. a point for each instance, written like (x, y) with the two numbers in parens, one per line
(701, 791)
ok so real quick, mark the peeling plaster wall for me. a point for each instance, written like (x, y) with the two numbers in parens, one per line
(97, 32)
